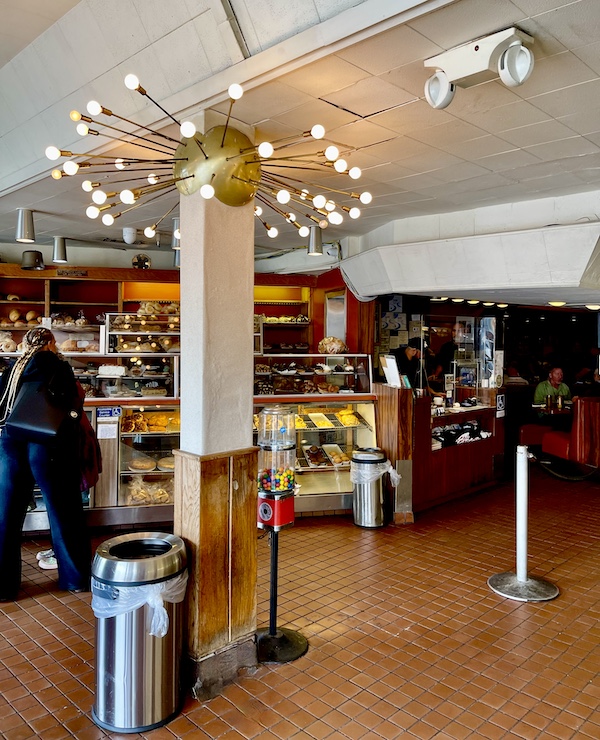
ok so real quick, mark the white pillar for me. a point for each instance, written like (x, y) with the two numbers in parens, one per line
(217, 300)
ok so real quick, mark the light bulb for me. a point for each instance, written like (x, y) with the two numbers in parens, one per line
(283, 197)
(319, 201)
(87, 186)
(149, 232)
(82, 129)
(472, 303)
(75, 115)
(331, 153)
(290, 218)
(99, 197)
(258, 211)
(108, 219)
(317, 131)
(52, 152)
(127, 197)
(70, 167)
(177, 234)
(556, 304)
(355, 172)
(235, 91)
(340, 165)
(131, 82)
(188, 129)
(365, 198)
(207, 191)
(323, 223)
(94, 108)
(303, 231)
(503, 305)
(593, 306)
(56, 174)
(458, 300)
(354, 212)
(92, 212)
(153, 178)
(330, 205)
(272, 232)
(119, 164)
(265, 149)
(488, 304)
(335, 217)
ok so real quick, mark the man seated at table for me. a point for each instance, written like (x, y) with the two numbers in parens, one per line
(553, 387)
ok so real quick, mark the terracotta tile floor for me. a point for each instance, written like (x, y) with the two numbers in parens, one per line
(406, 638)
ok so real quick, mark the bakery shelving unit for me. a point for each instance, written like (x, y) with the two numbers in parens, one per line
(331, 420)
(286, 312)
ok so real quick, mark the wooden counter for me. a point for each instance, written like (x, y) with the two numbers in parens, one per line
(431, 477)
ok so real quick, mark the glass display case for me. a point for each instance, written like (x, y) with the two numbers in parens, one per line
(146, 462)
(327, 431)
(312, 375)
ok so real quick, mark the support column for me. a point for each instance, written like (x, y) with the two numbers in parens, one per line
(215, 470)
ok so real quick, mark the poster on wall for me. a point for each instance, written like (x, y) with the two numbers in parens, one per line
(487, 348)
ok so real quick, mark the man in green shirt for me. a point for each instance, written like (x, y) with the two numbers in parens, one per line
(553, 387)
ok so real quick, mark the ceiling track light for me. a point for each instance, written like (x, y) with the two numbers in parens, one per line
(501, 54)
(222, 163)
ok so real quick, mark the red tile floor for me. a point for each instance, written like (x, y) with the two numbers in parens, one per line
(406, 638)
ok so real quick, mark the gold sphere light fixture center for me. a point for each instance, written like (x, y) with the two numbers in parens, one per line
(217, 160)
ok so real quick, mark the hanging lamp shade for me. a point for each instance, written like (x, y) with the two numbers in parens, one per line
(177, 258)
(176, 237)
(25, 231)
(59, 253)
(315, 242)
(31, 259)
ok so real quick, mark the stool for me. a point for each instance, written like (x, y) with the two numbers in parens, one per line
(532, 434)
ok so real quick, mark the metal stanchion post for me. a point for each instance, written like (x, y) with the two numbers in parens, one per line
(520, 586)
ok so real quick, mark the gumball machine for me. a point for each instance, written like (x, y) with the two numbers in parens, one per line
(276, 485)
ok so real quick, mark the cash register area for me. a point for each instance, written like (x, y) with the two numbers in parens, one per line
(406, 639)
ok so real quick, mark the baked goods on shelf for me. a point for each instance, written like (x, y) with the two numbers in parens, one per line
(142, 464)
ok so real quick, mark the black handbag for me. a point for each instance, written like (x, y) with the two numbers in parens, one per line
(38, 415)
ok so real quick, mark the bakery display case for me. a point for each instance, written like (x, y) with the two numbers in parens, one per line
(326, 432)
(293, 375)
(146, 461)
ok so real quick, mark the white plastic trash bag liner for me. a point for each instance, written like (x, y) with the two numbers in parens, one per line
(113, 601)
(369, 465)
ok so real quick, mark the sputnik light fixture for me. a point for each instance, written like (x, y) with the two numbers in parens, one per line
(222, 163)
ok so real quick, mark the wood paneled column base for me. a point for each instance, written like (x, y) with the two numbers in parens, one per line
(215, 514)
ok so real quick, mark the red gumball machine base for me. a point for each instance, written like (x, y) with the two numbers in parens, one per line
(275, 510)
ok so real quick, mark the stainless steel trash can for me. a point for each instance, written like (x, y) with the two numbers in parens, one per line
(367, 475)
(137, 674)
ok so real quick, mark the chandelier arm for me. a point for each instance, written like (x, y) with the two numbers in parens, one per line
(127, 133)
(108, 112)
(162, 218)
(143, 92)
(145, 203)
(93, 132)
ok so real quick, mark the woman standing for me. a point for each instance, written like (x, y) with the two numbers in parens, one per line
(54, 467)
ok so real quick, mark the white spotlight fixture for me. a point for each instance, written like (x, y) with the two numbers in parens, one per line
(502, 54)
(129, 235)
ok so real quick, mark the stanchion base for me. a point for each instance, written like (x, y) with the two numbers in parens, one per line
(532, 589)
(283, 646)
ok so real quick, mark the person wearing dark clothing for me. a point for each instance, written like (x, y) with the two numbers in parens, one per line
(54, 467)
(409, 362)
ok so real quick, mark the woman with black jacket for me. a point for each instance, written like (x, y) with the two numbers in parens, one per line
(54, 467)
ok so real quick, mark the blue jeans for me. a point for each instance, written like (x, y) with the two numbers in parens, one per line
(56, 471)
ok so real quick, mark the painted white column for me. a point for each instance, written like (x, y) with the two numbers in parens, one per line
(217, 305)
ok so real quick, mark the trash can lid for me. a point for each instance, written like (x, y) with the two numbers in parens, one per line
(368, 455)
(139, 558)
